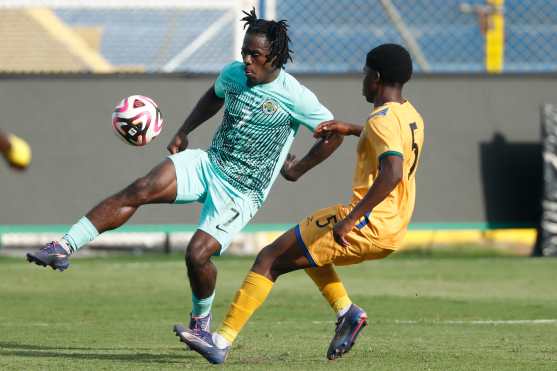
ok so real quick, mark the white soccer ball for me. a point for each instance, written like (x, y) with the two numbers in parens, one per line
(137, 120)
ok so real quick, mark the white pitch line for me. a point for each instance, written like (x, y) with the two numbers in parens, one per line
(463, 322)
(396, 321)
(485, 322)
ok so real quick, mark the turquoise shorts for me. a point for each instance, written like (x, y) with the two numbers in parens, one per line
(225, 211)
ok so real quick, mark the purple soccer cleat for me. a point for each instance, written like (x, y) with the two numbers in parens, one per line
(200, 323)
(202, 342)
(52, 255)
(347, 330)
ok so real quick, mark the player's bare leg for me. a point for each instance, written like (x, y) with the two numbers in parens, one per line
(280, 257)
(202, 274)
(285, 255)
(201, 270)
(158, 186)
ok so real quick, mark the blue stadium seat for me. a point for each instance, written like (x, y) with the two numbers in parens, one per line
(332, 37)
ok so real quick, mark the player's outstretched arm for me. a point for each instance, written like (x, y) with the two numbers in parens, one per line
(326, 128)
(206, 107)
(4, 143)
(294, 169)
(390, 174)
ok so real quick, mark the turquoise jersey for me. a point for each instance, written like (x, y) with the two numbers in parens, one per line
(258, 128)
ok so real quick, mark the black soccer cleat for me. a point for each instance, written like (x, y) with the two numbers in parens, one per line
(52, 255)
(347, 330)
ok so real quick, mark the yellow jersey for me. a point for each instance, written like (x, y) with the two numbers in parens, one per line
(393, 129)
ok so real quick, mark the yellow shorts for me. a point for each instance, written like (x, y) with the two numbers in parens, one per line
(315, 237)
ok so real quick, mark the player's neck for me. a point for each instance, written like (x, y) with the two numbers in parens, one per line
(389, 94)
(272, 76)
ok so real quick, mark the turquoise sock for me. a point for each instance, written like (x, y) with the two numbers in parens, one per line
(201, 307)
(80, 234)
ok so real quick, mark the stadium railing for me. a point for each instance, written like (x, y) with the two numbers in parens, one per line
(328, 36)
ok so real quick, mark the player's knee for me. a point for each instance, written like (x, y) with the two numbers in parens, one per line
(264, 261)
(140, 191)
(276, 269)
(197, 254)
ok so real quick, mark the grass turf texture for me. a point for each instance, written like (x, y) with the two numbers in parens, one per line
(117, 313)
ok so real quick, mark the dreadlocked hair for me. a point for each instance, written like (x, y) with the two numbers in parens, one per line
(276, 33)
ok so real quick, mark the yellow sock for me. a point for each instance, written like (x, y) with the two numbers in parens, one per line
(248, 298)
(331, 287)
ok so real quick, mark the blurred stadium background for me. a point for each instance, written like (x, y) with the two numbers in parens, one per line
(329, 36)
(484, 70)
(458, 299)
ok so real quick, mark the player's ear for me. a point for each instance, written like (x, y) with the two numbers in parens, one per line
(271, 60)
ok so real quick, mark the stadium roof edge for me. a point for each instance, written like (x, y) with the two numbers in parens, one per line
(195, 4)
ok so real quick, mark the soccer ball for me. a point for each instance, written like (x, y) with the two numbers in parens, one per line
(137, 120)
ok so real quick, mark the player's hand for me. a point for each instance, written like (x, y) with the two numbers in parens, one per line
(341, 229)
(178, 143)
(325, 129)
(287, 168)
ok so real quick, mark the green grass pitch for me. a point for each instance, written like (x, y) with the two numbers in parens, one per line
(426, 312)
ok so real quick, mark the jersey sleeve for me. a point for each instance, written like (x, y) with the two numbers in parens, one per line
(309, 111)
(226, 74)
(384, 136)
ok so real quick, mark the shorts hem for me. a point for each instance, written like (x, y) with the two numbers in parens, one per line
(385, 247)
(303, 247)
(223, 246)
(179, 173)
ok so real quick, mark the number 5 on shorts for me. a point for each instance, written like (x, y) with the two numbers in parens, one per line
(330, 219)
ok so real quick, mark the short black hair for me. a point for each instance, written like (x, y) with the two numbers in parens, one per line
(392, 61)
(276, 33)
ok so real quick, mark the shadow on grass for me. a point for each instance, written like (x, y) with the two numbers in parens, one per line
(108, 354)
(132, 355)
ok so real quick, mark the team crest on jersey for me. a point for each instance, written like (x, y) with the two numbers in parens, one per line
(383, 112)
(269, 107)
